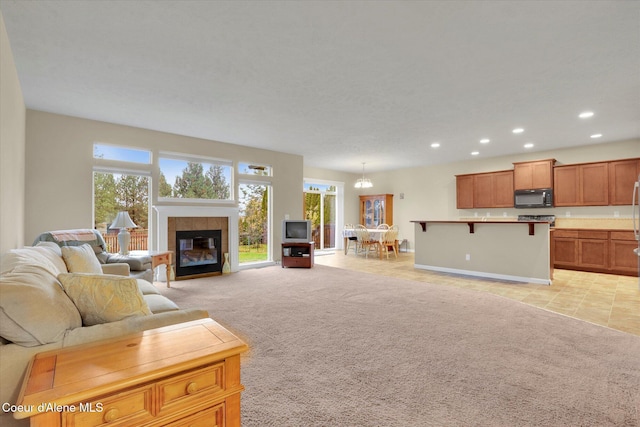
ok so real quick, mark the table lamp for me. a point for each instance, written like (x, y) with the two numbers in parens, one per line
(123, 221)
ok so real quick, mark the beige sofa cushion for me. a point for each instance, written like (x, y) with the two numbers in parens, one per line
(44, 256)
(81, 259)
(104, 298)
(160, 304)
(34, 309)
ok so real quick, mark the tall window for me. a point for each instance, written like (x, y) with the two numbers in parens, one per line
(185, 177)
(121, 182)
(115, 192)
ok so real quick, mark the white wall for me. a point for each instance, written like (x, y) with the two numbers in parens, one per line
(59, 153)
(12, 149)
(430, 191)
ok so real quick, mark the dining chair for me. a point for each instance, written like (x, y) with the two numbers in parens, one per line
(356, 228)
(388, 241)
(351, 240)
(365, 242)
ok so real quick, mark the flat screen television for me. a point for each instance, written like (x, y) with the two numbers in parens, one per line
(296, 231)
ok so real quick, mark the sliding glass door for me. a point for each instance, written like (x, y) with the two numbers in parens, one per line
(320, 208)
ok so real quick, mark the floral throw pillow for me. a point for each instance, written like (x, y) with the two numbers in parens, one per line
(104, 298)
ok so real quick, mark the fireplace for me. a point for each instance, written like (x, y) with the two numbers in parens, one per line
(198, 252)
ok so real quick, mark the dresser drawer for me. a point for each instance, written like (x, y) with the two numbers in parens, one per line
(133, 407)
(212, 417)
(203, 383)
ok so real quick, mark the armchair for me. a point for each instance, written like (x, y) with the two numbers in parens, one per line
(139, 266)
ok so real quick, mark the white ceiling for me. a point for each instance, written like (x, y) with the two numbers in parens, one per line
(340, 82)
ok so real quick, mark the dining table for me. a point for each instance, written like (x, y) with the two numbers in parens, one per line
(374, 233)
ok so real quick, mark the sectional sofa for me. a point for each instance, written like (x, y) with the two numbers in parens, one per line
(53, 297)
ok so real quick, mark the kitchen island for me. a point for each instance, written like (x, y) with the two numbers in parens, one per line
(518, 251)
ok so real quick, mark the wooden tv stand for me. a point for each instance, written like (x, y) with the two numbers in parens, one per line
(297, 255)
(182, 374)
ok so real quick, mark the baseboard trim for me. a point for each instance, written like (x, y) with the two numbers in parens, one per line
(484, 274)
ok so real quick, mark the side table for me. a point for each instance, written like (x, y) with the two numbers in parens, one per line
(159, 258)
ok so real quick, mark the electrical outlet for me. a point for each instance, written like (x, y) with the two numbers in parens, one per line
(468, 257)
(616, 214)
(286, 216)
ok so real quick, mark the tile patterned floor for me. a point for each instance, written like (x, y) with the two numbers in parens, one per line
(604, 299)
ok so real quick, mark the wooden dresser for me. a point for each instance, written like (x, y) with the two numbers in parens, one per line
(185, 374)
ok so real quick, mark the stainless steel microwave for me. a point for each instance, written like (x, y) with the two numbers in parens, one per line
(536, 198)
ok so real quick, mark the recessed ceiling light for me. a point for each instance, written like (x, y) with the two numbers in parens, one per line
(475, 153)
(518, 130)
(435, 145)
(485, 141)
(596, 135)
(528, 145)
(586, 114)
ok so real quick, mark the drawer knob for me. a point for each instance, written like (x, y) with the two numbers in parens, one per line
(192, 387)
(111, 415)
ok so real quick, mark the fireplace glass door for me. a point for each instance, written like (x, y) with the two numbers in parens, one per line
(198, 252)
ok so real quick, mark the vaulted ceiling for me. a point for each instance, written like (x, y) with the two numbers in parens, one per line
(340, 82)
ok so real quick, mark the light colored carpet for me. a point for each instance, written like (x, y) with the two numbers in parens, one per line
(332, 347)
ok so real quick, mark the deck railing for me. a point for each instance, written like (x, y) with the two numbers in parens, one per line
(139, 241)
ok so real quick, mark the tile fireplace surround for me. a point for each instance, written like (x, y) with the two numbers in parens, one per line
(170, 219)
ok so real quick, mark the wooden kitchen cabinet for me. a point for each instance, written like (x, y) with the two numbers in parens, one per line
(530, 175)
(464, 191)
(622, 175)
(581, 185)
(502, 189)
(565, 243)
(485, 190)
(600, 251)
(593, 249)
(376, 209)
(622, 259)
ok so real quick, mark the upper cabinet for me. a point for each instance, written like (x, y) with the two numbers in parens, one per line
(585, 184)
(464, 191)
(530, 175)
(376, 209)
(485, 190)
(581, 185)
(622, 175)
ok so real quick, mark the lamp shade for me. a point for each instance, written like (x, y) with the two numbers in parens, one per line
(123, 220)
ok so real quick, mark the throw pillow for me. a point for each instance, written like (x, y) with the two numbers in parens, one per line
(104, 298)
(81, 259)
(34, 309)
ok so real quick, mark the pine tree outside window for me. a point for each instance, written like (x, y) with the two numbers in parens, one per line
(183, 177)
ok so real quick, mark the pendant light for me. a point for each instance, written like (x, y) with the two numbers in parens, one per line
(363, 182)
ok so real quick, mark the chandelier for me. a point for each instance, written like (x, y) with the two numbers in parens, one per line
(363, 182)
